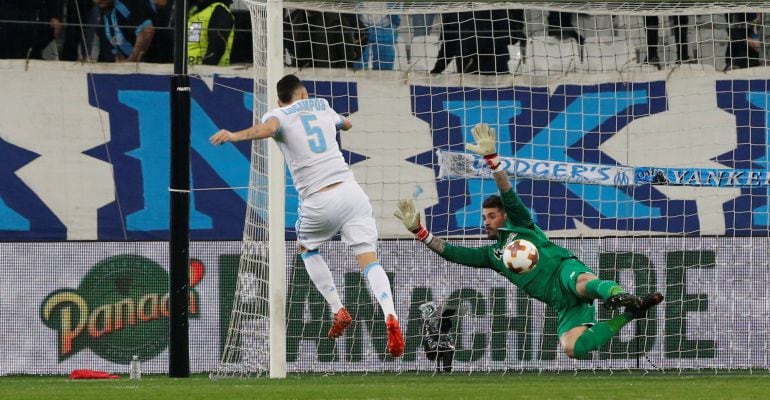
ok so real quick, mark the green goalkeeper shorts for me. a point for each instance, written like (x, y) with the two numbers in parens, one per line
(572, 309)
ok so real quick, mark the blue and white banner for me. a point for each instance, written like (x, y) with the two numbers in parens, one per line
(471, 166)
(454, 165)
(703, 177)
(85, 153)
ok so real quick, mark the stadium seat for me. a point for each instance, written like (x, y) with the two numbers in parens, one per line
(606, 56)
(517, 62)
(424, 50)
(547, 55)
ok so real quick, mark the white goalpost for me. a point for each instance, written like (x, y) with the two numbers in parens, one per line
(637, 133)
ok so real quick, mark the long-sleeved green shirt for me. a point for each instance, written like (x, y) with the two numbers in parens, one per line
(538, 283)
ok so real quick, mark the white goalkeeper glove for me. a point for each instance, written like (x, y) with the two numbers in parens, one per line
(486, 145)
(410, 217)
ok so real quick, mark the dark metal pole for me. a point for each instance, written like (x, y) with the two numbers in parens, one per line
(179, 220)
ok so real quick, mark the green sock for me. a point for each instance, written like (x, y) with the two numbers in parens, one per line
(599, 334)
(603, 289)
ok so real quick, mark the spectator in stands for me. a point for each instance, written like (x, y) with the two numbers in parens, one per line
(652, 25)
(74, 17)
(479, 40)
(162, 47)
(743, 50)
(382, 40)
(128, 29)
(560, 26)
(324, 40)
(29, 26)
(496, 30)
(458, 42)
(210, 32)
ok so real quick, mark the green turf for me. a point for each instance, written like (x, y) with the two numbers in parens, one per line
(409, 386)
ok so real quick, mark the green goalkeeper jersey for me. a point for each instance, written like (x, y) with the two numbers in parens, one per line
(541, 282)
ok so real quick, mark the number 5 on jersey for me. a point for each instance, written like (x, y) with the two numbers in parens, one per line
(315, 135)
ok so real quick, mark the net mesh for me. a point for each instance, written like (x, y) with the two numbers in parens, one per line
(246, 350)
(637, 136)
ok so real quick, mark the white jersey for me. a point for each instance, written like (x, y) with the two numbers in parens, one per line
(307, 139)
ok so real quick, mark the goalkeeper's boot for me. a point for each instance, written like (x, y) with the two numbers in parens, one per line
(395, 338)
(648, 302)
(341, 321)
(622, 300)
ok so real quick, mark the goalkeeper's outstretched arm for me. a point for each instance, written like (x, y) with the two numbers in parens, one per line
(472, 257)
(486, 146)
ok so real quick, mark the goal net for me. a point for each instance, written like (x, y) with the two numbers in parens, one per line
(636, 132)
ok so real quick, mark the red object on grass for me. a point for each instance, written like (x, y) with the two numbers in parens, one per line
(91, 374)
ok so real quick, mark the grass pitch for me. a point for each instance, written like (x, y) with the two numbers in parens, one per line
(405, 386)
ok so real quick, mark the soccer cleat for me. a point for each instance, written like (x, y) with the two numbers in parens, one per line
(648, 302)
(622, 300)
(341, 321)
(395, 338)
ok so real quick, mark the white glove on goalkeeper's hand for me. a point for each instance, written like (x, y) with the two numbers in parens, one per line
(486, 140)
(486, 145)
(410, 217)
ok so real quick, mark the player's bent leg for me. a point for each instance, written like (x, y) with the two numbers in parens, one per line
(366, 258)
(613, 295)
(360, 233)
(594, 337)
(590, 286)
(568, 339)
(319, 273)
(379, 284)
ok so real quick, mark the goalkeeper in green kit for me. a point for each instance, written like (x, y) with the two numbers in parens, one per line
(558, 279)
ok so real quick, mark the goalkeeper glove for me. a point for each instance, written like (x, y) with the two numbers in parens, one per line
(411, 220)
(485, 145)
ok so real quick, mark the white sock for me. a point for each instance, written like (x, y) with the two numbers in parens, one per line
(379, 284)
(322, 278)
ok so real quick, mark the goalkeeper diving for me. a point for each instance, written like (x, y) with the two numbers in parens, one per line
(559, 279)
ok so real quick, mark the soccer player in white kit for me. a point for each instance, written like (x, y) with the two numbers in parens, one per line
(331, 200)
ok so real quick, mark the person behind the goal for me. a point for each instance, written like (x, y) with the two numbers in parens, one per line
(331, 201)
(559, 278)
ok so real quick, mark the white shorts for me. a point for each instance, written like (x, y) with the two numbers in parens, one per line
(345, 209)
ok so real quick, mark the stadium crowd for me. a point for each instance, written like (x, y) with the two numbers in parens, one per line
(474, 41)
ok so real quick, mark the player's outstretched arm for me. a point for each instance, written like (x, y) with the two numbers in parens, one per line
(256, 132)
(410, 217)
(486, 146)
(472, 257)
